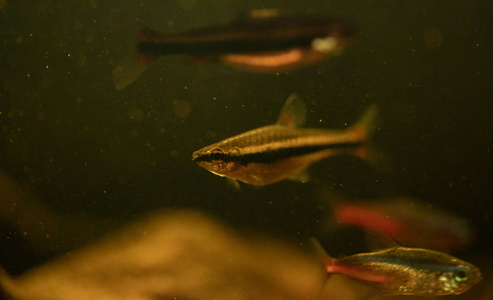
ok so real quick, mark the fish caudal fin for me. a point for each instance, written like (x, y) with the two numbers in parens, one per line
(365, 129)
(126, 72)
(131, 67)
(366, 124)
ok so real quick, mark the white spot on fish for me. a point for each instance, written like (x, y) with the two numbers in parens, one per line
(326, 44)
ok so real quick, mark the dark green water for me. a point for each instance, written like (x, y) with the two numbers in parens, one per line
(88, 150)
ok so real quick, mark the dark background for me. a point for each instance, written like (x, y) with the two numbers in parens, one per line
(90, 151)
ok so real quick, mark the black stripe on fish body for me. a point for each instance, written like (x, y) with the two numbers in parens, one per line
(249, 35)
(275, 155)
(200, 47)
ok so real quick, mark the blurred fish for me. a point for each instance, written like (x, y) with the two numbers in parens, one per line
(395, 270)
(275, 152)
(265, 40)
(409, 221)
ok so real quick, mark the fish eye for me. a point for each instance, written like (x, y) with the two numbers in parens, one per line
(216, 155)
(461, 274)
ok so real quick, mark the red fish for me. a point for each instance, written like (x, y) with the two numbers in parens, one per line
(409, 221)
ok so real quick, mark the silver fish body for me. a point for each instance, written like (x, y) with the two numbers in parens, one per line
(408, 271)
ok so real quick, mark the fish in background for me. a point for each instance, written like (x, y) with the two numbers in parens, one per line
(265, 40)
(395, 270)
(283, 150)
(409, 221)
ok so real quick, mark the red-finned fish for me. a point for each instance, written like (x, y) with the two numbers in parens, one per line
(395, 270)
(265, 40)
(275, 152)
(411, 222)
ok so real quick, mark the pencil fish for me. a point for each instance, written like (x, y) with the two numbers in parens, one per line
(265, 40)
(410, 221)
(395, 270)
(275, 152)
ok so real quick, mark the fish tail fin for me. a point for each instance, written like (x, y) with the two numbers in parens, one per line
(131, 67)
(366, 125)
(126, 72)
(365, 129)
(145, 37)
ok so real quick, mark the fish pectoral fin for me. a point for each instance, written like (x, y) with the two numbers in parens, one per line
(302, 177)
(293, 113)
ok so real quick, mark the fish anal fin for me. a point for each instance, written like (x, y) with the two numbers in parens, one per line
(293, 113)
(377, 240)
(302, 177)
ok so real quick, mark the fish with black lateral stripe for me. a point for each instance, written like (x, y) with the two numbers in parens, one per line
(284, 150)
(264, 40)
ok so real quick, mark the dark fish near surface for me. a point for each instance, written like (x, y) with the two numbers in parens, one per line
(275, 152)
(263, 41)
(410, 221)
(407, 271)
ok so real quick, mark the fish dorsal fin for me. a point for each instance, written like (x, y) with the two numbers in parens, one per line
(376, 240)
(293, 113)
